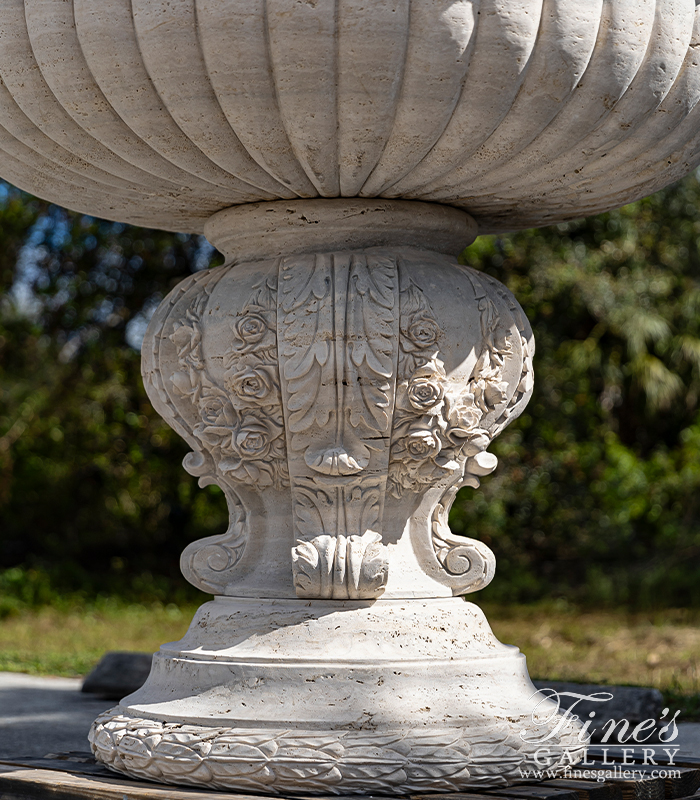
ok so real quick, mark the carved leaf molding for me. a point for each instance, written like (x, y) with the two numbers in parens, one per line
(327, 762)
(340, 556)
(337, 345)
(338, 326)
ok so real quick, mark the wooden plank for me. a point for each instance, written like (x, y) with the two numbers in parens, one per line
(641, 755)
(22, 783)
(588, 790)
(633, 788)
(534, 791)
(450, 796)
(83, 767)
(679, 781)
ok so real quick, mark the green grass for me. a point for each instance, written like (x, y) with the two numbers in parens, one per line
(69, 642)
(659, 649)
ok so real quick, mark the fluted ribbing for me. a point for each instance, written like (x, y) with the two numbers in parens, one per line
(523, 112)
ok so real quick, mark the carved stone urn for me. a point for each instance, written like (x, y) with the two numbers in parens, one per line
(342, 375)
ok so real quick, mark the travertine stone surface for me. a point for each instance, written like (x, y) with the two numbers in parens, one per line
(336, 698)
(522, 112)
(339, 398)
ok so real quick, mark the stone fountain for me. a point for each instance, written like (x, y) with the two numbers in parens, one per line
(342, 376)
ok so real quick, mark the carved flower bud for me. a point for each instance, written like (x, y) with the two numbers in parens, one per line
(422, 444)
(185, 338)
(495, 393)
(181, 383)
(251, 328)
(212, 409)
(476, 443)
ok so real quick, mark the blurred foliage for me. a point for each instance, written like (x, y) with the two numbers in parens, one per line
(93, 497)
(597, 496)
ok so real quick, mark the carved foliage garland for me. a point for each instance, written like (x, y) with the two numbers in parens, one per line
(327, 762)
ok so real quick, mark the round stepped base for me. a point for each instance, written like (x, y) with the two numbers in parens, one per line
(337, 698)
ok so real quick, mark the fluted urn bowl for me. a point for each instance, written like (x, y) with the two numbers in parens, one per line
(521, 112)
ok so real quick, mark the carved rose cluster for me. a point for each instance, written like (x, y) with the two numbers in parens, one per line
(245, 442)
(437, 422)
(241, 424)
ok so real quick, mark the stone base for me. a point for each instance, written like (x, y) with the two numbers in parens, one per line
(336, 697)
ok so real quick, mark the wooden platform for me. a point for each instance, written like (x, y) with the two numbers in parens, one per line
(76, 776)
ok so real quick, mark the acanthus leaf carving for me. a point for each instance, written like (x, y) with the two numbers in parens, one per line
(337, 348)
(340, 555)
(338, 326)
(340, 567)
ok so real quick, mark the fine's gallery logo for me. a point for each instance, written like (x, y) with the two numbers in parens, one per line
(626, 749)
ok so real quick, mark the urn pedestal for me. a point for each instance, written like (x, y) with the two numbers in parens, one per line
(340, 379)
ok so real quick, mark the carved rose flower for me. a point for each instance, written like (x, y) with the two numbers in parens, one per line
(424, 393)
(463, 416)
(253, 439)
(251, 328)
(422, 444)
(422, 330)
(253, 451)
(490, 393)
(426, 387)
(254, 384)
(211, 409)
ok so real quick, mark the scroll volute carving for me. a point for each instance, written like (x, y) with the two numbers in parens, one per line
(356, 391)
